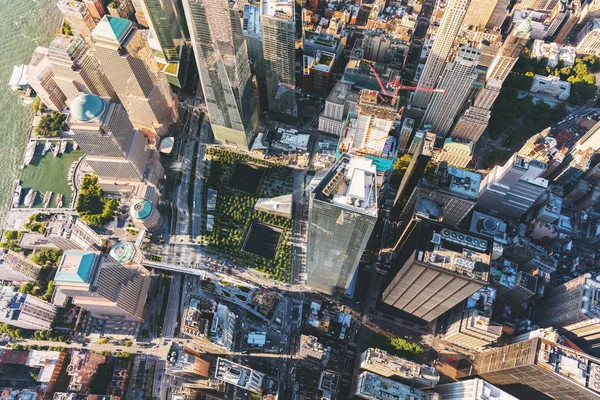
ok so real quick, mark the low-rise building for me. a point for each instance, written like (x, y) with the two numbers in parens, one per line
(15, 267)
(551, 85)
(339, 103)
(25, 311)
(554, 52)
(318, 73)
(472, 389)
(82, 369)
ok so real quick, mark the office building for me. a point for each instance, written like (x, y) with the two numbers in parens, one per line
(539, 366)
(574, 307)
(457, 152)
(127, 254)
(26, 311)
(95, 8)
(127, 60)
(165, 35)
(145, 216)
(82, 368)
(436, 268)
(79, 18)
(512, 285)
(312, 42)
(114, 149)
(239, 375)
(542, 5)
(317, 73)
(554, 52)
(457, 79)
(338, 104)
(121, 9)
(475, 119)
(253, 35)
(279, 49)
(63, 232)
(513, 188)
(472, 389)
(371, 386)
(470, 329)
(450, 26)
(101, 285)
(588, 39)
(359, 74)
(406, 133)
(41, 79)
(454, 188)
(15, 267)
(342, 214)
(380, 362)
(76, 70)
(498, 15)
(222, 60)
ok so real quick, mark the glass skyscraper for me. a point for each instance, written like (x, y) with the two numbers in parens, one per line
(222, 59)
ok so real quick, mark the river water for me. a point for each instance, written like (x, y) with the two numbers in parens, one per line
(24, 25)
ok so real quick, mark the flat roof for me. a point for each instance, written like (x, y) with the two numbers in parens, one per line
(76, 266)
(279, 9)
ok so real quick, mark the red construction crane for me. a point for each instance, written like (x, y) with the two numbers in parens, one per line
(397, 86)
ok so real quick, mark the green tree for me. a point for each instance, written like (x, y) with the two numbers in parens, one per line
(91, 205)
(128, 343)
(51, 125)
(103, 341)
(47, 257)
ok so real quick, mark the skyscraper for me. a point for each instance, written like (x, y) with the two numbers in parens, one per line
(511, 189)
(222, 60)
(436, 268)
(452, 22)
(342, 214)
(574, 307)
(101, 285)
(474, 121)
(41, 79)
(127, 60)
(472, 389)
(78, 17)
(96, 8)
(471, 330)
(279, 48)
(457, 80)
(76, 70)
(163, 23)
(539, 367)
(114, 149)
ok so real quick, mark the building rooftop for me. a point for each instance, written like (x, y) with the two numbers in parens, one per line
(77, 266)
(459, 145)
(453, 249)
(141, 209)
(350, 184)
(322, 39)
(341, 93)
(376, 360)
(86, 107)
(123, 252)
(381, 388)
(112, 29)
(280, 9)
(251, 21)
(239, 375)
(322, 61)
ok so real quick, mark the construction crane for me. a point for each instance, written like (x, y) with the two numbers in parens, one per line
(395, 84)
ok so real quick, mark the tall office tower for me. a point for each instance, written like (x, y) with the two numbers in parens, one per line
(588, 38)
(498, 14)
(222, 60)
(456, 189)
(436, 268)
(78, 17)
(472, 389)
(479, 12)
(471, 330)
(96, 8)
(17, 268)
(452, 21)
(41, 79)
(75, 69)
(279, 48)
(457, 80)
(101, 285)
(539, 367)
(126, 58)
(474, 121)
(340, 102)
(511, 189)
(252, 31)
(164, 26)
(121, 9)
(457, 152)
(25, 311)
(574, 307)
(341, 216)
(114, 149)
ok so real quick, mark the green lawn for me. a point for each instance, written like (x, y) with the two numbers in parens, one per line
(49, 173)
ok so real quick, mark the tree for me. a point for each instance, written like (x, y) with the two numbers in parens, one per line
(51, 125)
(103, 341)
(400, 167)
(38, 105)
(128, 343)
(66, 28)
(47, 257)
(395, 345)
(91, 206)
